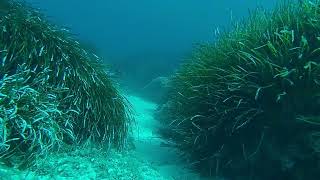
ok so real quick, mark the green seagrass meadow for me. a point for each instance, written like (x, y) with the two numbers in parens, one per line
(52, 91)
(248, 105)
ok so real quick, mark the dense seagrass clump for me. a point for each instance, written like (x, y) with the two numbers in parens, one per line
(248, 106)
(52, 91)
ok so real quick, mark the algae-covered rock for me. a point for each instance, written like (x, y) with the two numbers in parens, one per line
(246, 105)
(52, 91)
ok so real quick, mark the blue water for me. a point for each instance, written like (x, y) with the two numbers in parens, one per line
(144, 39)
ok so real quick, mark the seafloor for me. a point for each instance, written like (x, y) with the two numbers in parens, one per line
(147, 159)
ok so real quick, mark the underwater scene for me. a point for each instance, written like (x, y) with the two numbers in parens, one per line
(159, 90)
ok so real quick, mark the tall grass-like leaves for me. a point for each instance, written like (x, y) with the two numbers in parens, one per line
(248, 105)
(71, 97)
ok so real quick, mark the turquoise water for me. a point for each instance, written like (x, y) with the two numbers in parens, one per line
(144, 42)
(147, 38)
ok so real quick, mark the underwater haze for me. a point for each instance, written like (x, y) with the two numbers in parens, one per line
(179, 101)
(145, 39)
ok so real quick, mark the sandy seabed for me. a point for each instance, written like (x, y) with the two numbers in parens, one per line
(148, 160)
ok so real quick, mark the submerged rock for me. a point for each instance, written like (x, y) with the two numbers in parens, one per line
(156, 89)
